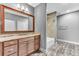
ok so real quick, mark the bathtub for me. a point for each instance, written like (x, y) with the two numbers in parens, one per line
(50, 42)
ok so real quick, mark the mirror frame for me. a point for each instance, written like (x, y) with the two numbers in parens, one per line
(2, 7)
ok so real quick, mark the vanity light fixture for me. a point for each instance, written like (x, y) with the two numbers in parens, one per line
(18, 5)
(22, 7)
(26, 9)
(68, 11)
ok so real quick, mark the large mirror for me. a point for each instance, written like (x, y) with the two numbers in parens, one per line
(17, 21)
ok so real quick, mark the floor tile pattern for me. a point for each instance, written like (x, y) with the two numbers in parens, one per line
(61, 49)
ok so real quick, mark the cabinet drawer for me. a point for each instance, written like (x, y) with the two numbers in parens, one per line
(22, 43)
(9, 50)
(8, 43)
(23, 40)
(26, 39)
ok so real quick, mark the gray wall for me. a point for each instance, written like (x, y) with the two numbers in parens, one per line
(40, 22)
(68, 27)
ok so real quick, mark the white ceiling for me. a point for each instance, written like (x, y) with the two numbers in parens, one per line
(33, 4)
(62, 8)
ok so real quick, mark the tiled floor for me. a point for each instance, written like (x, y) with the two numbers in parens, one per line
(39, 53)
(61, 49)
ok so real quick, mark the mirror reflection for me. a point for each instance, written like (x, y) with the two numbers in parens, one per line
(15, 21)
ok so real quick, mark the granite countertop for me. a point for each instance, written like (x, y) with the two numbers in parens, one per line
(6, 37)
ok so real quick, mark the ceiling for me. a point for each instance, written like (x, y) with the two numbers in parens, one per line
(33, 4)
(62, 8)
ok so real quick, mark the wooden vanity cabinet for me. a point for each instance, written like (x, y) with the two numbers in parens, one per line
(20, 47)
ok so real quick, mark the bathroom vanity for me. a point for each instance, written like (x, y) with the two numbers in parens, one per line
(21, 44)
(17, 35)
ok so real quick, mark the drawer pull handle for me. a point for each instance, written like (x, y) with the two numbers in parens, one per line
(10, 50)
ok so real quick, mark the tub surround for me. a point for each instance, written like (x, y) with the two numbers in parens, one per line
(19, 44)
(51, 21)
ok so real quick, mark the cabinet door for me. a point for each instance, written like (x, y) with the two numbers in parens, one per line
(0, 49)
(37, 42)
(23, 49)
(30, 45)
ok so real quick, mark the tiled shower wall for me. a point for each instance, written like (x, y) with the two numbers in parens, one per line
(51, 25)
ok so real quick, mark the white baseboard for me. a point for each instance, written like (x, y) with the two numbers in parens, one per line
(68, 41)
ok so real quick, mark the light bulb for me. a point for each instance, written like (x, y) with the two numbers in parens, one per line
(22, 7)
(26, 9)
(68, 11)
(18, 5)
